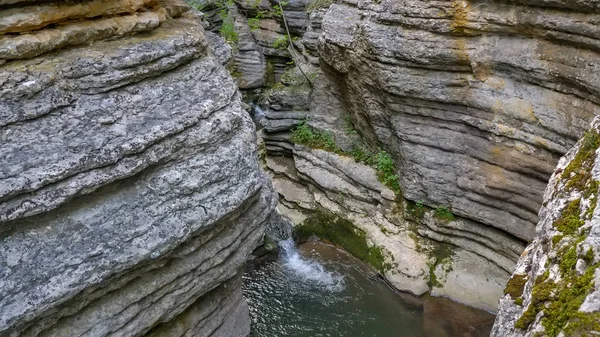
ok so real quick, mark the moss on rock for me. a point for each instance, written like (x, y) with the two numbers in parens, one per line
(515, 286)
(557, 300)
(570, 219)
(330, 227)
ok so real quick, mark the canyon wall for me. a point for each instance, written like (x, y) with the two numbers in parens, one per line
(555, 287)
(474, 101)
(130, 191)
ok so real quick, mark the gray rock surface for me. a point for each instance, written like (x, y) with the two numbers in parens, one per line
(475, 112)
(476, 102)
(478, 261)
(554, 288)
(130, 191)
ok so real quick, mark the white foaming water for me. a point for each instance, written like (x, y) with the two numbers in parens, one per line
(257, 113)
(308, 270)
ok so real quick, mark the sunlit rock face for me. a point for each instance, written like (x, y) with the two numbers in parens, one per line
(477, 100)
(130, 193)
(554, 290)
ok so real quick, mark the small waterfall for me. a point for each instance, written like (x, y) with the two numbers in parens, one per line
(257, 113)
(307, 270)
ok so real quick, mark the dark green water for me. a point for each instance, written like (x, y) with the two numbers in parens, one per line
(321, 291)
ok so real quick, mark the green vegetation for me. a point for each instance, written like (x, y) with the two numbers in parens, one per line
(540, 293)
(254, 23)
(570, 220)
(281, 42)
(349, 126)
(514, 287)
(439, 254)
(330, 227)
(443, 213)
(558, 301)
(386, 171)
(579, 170)
(417, 208)
(305, 135)
(274, 12)
(382, 161)
(556, 239)
(227, 30)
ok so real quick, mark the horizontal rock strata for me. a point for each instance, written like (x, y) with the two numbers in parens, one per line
(475, 102)
(130, 192)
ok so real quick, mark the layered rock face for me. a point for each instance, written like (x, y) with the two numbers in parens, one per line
(555, 287)
(261, 53)
(474, 101)
(130, 192)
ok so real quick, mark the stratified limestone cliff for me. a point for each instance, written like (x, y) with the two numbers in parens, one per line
(130, 192)
(555, 289)
(475, 101)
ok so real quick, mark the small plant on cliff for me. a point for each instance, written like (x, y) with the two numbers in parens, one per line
(418, 209)
(444, 213)
(386, 170)
(227, 30)
(254, 23)
(305, 135)
(349, 126)
(362, 154)
(281, 42)
(221, 8)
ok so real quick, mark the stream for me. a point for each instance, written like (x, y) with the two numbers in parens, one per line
(319, 290)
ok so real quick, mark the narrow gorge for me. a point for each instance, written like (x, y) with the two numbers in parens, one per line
(434, 162)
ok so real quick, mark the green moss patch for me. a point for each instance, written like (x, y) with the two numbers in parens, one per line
(330, 227)
(570, 219)
(558, 301)
(515, 286)
(579, 170)
(443, 213)
(439, 254)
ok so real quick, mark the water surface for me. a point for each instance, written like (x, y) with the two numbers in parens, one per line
(319, 290)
